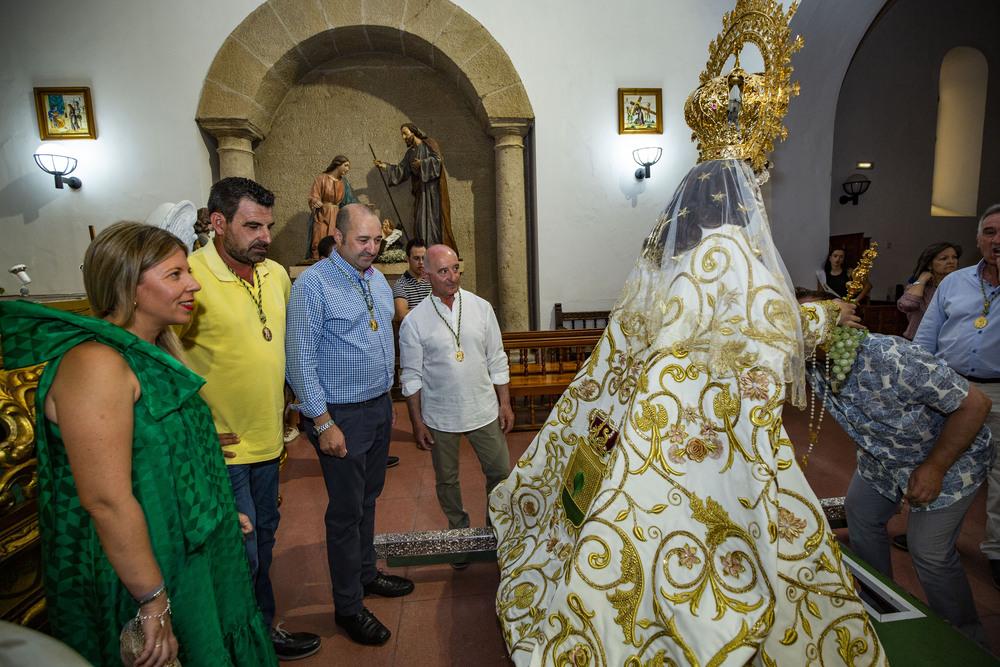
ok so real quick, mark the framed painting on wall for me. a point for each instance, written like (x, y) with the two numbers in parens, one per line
(65, 113)
(640, 111)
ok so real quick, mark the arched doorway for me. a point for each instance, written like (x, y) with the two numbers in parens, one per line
(298, 81)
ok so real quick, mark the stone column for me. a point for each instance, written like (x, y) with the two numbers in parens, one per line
(235, 137)
(512, 258)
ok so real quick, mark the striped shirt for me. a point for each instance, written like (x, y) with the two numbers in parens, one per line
(332, 354)
(414, 291)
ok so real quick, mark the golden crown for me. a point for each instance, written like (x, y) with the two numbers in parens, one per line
(738, 115)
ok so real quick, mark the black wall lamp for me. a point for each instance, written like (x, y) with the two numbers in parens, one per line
(647, 157)
(49, 159)
(855, 186)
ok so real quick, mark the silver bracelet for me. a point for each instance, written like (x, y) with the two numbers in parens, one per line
(159, 617)
(152, 595)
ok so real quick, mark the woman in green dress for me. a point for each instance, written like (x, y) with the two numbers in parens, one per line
(135, 507)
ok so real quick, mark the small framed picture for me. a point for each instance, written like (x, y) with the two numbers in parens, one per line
(640, 111)
(65, 113)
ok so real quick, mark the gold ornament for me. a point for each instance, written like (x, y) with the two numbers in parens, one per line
(860, 272)
(738, 115)
(980, 322)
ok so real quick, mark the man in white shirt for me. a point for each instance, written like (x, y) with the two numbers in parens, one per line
(455, 377)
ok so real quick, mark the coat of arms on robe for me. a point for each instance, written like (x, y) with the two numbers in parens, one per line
(587, 466)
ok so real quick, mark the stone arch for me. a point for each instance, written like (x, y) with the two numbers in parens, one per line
(283, 41)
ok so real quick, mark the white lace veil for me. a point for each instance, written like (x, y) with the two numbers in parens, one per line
(711, 304)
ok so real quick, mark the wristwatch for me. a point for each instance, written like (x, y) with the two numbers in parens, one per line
(319, 428)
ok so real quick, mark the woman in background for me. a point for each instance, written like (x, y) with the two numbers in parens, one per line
(934, 264)
(135, 506)
(329, 192)
(833, 277)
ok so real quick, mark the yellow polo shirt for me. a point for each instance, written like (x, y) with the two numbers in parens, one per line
(244, 374)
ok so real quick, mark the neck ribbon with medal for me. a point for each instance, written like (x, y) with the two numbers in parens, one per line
(459, 355)
(257, 300)
(369, 299)
(980, 322)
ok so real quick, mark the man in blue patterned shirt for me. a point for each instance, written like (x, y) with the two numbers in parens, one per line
(919, 429)
(340, 360)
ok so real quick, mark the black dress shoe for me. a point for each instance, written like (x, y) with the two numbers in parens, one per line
(995, 569)
(364, 628)
(899, 541)
(293, 645)
(388, 586)
(392, 461)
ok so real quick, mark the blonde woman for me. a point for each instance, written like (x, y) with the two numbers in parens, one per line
(135, 507)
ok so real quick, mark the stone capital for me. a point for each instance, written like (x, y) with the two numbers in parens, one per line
(239, 128)
(509, 130)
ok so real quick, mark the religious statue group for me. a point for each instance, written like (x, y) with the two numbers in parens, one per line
(422, 165)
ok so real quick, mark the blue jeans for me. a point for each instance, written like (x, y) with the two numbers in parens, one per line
(931, 537)
(255, 487)
(352, 485)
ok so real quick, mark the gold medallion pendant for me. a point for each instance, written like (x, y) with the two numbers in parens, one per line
(373, 324)
(266, 333)
(460, 355)
(979, 323)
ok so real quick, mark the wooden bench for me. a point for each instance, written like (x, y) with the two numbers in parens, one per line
(542, 364)
(581, 319)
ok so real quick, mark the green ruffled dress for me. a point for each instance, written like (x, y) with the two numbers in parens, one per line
(180, 480)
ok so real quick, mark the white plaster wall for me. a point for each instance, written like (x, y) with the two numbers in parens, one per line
(145, 63)
(901, 60)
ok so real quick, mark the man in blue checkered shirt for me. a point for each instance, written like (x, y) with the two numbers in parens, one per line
(340, 360)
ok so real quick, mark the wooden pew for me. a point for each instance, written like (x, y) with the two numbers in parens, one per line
(581, 319)
(542, 364)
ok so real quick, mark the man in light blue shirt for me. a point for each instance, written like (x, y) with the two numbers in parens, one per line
(962, 327)
(339, 360)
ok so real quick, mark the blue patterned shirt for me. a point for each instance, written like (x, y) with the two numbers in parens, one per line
(894, 404)
(332, 354)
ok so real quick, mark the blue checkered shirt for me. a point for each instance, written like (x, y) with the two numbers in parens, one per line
(332, 354)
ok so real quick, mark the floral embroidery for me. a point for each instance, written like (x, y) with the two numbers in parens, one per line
(789, 527)
(529, 508)
(754, 385)
(688, 556)
(578, 656)
(675, 454)
(697, 449)
(689, 413)
(589, 388)
(732, 564)
(677, 433)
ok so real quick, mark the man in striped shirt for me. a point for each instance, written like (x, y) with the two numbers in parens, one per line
(411, 288)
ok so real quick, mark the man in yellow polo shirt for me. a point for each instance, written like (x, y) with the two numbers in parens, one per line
(236, 341)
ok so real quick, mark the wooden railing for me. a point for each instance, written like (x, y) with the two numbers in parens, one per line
(580, 319)
(542, 364)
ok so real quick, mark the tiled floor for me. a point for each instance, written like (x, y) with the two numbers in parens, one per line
(449, 619)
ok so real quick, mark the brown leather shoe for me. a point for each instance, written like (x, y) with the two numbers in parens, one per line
(363, 627)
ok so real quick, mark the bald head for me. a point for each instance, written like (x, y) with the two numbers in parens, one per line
(359, 235)
(441, 268)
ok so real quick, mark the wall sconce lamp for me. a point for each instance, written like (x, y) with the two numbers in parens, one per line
(49, 160)
(855, 186)
(647, 157)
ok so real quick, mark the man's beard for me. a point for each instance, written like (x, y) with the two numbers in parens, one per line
(244, 255)
(409, 141)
